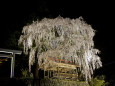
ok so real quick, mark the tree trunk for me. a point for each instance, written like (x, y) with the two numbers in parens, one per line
(36, 71)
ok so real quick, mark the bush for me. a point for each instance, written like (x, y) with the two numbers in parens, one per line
(24, 73)
(98, 81)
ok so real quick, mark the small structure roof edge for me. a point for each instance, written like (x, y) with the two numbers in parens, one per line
(10, 51)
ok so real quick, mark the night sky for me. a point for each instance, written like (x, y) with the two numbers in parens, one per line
(15, 14)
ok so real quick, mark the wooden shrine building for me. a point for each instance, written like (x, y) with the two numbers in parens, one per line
(60, 69)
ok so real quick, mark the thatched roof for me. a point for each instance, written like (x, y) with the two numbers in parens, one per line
(64, 38)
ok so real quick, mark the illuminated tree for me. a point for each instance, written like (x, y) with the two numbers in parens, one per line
(71, 39)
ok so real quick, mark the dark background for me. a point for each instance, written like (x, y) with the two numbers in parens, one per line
(100, 15)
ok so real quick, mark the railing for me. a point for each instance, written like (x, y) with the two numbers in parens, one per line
(60, 60)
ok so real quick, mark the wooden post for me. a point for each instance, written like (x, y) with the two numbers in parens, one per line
(53, 73)
(76, 74)
(12, 66)
(44, 73)
(11, 73)
(58, 73)
(64, 73)
(48, 73)
(13, 63)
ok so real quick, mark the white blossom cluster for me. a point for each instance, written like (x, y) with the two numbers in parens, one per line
(64, 38)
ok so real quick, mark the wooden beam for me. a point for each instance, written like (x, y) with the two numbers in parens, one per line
(5, 55)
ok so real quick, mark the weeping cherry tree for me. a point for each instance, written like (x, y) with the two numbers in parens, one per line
(64, 38)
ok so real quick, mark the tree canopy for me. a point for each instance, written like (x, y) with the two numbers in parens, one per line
(64, 38)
